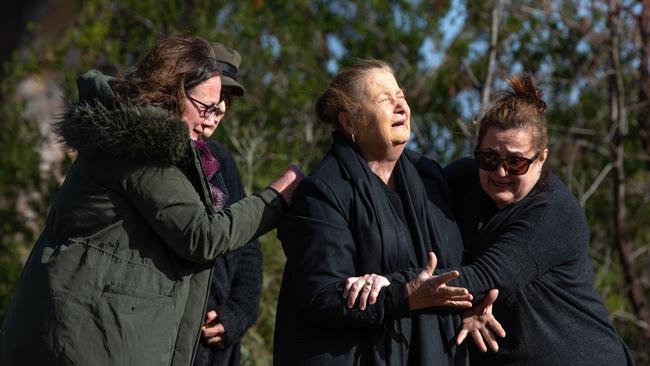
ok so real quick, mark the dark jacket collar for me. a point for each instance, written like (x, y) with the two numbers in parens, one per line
(97, 125)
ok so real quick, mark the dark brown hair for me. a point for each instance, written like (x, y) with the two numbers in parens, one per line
(168, 72)
(521, 106)
(345, 92)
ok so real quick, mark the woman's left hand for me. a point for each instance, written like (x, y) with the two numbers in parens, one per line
(365, 287)
(481, 324)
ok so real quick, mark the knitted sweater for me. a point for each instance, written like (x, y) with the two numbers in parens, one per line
(536, 253)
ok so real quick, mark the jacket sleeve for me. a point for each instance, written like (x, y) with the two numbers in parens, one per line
(532, 243)
(321, 251)
(171, 205)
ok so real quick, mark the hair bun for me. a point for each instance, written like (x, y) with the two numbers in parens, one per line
(523, 87)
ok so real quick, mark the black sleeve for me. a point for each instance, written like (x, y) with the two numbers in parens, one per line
(242, 307)
(321, 253)
(542, 236)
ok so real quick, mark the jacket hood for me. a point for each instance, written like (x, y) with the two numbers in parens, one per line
(97, 125)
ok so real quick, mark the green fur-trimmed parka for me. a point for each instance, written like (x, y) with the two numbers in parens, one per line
(120, 273)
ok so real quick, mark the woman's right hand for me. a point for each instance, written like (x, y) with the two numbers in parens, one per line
(288, 182)
(366, 288)
(428, 290)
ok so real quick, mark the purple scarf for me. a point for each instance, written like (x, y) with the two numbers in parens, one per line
(210, 167)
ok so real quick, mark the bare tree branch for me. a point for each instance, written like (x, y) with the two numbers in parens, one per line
(595, 184)
(492, 53)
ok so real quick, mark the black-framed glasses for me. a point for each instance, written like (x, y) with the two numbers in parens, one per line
(206, 110)
(514, 165)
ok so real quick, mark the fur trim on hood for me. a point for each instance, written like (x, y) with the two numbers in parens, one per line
(124, 132)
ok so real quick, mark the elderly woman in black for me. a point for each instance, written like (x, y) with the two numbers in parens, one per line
(121, 271)
(526, 234)
(364, 209)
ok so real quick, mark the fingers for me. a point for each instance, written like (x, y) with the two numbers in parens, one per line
(216, 330)
(363, 297)
(490, 298)
(478, 340)
(442, 279)
(348, 285)
(365, 289)
(453, 292)
(215, 335)
(457, 304)
(214, 340)
(489, 337)
(210, 316)
(378, 282)
(461, 336)
(355, 290)
(496, 327)
(431, 265)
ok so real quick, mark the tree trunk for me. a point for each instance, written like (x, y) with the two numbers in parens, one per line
(618, 120)
(643, 117)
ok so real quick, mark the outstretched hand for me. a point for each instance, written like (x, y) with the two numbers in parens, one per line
(431, 290)
(481, 324)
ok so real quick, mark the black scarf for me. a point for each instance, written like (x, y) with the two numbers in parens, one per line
(380, 249)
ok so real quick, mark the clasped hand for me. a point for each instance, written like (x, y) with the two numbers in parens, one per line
(424, 291)
(429, 290)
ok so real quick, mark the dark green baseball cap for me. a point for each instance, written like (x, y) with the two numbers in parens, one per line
(229, 61)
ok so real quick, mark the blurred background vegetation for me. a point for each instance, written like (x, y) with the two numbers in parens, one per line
(590, 57)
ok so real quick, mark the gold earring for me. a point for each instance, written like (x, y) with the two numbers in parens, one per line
(354, 137)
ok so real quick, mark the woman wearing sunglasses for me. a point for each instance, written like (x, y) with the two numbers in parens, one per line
(526, 235)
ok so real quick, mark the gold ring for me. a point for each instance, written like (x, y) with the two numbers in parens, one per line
(368, 283)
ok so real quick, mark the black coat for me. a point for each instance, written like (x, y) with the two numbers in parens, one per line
(236, 279)
(340, 225)
(536, 252)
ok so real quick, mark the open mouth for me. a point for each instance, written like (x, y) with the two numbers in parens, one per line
(398, 124)
(501, 184)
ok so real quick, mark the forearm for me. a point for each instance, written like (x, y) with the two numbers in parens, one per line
(174, 210)
(505, 266)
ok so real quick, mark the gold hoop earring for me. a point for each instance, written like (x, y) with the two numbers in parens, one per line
(354, 137)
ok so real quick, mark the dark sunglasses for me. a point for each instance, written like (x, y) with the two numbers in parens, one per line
(514, 165)
(207, 109)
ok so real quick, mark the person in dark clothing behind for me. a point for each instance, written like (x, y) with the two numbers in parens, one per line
(233, 302)
(526, 235)
(364, 209)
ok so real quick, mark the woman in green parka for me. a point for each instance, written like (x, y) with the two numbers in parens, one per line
(120, 273)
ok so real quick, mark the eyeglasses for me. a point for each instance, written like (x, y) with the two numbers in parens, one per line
(210, 109)
(207, 109)
(514, 165)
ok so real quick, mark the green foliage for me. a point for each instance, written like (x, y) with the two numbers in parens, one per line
(290, 50)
